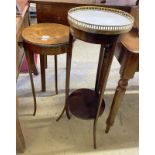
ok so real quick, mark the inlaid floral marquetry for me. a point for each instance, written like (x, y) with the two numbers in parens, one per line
(46, 34)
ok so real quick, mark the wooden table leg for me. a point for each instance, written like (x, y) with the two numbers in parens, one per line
(127, 71)
(119, 94)
(43, 77)
(68, 68)
(33, 65)
(20, 142)
(56, 74)
(106, 65)
(98, 75)
(31, 79)
(45, 61)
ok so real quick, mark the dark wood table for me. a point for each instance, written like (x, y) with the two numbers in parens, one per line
(85, 103)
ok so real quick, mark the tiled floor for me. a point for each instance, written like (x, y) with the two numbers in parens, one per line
(44, 136)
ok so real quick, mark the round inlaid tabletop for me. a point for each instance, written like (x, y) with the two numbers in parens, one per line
(101, 20)
(46, 34)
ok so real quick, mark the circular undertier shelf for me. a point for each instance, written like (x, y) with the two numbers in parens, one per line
(83, 103)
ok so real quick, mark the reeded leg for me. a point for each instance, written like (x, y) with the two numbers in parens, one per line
(56, 75)
(42, 67)
(119, 93)
(129, 65)
(68, 67)
(106, 64)
(31, 79)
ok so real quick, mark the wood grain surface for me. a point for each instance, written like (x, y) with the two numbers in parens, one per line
(46, 34)
(130, 41)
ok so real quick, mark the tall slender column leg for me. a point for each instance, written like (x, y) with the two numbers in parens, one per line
(107, 61)
(42, 66)
(45, 61)
(56, 76)
(31, 79)
(33, 65)
(119, 93)
(98, 75)
(68, 67)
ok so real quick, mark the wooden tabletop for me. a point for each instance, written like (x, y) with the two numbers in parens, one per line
(130, 41)
(46, 34)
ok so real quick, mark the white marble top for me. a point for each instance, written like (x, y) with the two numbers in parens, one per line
(100, 17)
(100, 20)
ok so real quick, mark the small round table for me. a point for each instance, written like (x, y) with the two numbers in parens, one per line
(45, 39)
(97, 25)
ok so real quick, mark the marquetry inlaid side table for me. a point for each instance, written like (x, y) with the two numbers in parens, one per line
(44, 39)
(97, 25)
